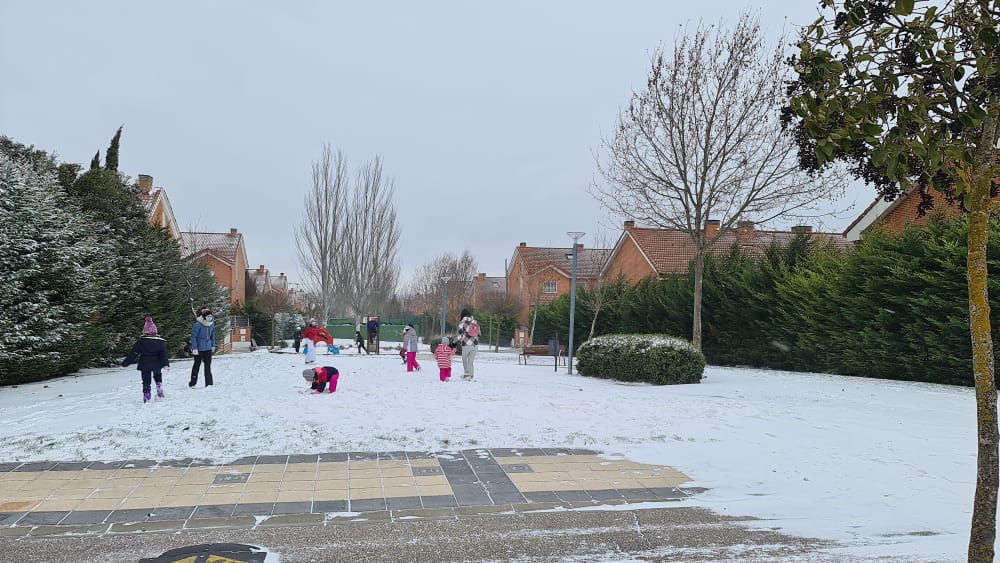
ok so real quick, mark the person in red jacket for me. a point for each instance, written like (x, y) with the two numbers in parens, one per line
(319, 378)
(313, 334)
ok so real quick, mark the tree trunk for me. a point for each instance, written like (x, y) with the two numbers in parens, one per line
(984, 512)
(699, 274)
(593, 323)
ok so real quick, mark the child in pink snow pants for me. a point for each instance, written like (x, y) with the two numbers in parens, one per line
(410, 345)
(443, 355)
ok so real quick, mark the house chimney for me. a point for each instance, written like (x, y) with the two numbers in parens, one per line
(712, 228)
(579, 246)
(232, 232)
(744, 230)
(145, 183)
(802, 229)
(629, 225)
(481, 276)
(524, 244)
(261, 269)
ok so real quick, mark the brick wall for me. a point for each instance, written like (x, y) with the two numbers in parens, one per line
(629, 261)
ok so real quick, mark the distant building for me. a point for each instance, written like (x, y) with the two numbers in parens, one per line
(158, 209)
(644, 252)
(225, 255)
(537, 275)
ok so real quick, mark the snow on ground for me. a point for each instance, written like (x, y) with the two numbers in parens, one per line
(887, 468)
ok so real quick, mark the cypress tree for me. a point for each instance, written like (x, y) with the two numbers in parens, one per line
(111, 159)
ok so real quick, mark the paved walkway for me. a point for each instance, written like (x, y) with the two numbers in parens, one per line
(49, 498)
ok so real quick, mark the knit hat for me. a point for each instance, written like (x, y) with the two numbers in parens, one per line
(308, 374)
(444, 340)
(149, 327)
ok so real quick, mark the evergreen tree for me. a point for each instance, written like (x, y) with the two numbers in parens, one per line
(111, 158)
(95, 163)
(51, 266)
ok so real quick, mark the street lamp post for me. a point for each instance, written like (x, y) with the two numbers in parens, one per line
(444, 304)
(572, 301)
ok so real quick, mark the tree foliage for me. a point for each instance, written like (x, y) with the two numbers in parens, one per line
(908, 93)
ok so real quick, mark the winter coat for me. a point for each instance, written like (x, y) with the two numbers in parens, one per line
(203, 335)
(317, 334)
(443, 355)
(463, 328)
(324, 374)
(410, 340)
(151, 351)
(298, 335)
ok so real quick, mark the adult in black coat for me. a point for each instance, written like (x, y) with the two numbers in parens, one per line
(151, 351)
(297, 339)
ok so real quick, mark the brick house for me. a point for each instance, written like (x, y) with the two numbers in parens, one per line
(537, 275)
(158, 209)
(223, 253)
(483, 285)
(642, 252)
(901, 213)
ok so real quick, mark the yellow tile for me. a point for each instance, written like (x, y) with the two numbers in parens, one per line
(98, 504)
(131, 473)
(187, 489)
(18, 505)
(432, 462)
(164, 472)
(397, 481)
(221, 498)
(21, 476)
(533, 486)
(226, 488)
(397, 472)
(363, 465)
(401, 492)
(56, 505)
(430, 480)
(258, 497)
(565, 486)
(298, 485)
(330, 494)
(331, 484)
(120, 483)
(268, 468)
(264, 477)
(332, 466)
(148, 491)
(94, 474)
(150, 503)
(181, 500)
(331, 475)
(605, 466)
(393, 464)
(110, 493)
(228, 469)
(365, 483)
(527, 477)
(294, 496)
(68, 494)
(299, 476)
(261, 486)
(365, 493)
(435, 490)
(86, 483)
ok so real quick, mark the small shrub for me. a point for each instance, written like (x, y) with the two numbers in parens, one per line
(650, 358)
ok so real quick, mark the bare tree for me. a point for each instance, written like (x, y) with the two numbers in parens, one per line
(603, 292)
(366, 260)
(703, 142)
(318, 234)
(428, 282)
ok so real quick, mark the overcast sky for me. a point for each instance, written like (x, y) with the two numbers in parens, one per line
(487, 115)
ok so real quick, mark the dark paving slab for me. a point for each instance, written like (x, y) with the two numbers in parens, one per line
(606, 494)
(329, 506)
(439, 501)
(304, 507)
(573, 496)
(128, 515)
(42, 518)
(185, 462)
(254, 508)
(170, 513)
(392, 456)
(105, 465)
(333, 456)
(303, 458)
(507, 498)
(248, 460)
(139, 464)
(80, 517)
(214, 511)
(272, 459)
(541, 496)
(669, 493)
(362, 456)
(398, 503)
(5, 467)
(9, 518)
(367, 505)
(638, 494)
(71, 466)
(34, 466)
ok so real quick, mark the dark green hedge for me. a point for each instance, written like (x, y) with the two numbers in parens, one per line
(649, 358)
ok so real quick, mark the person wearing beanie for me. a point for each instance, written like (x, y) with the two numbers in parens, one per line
(320, 377)
(468, 334)
(360, 341)
(202, 345)
(151, 353)
(410, 341)
(443, 354)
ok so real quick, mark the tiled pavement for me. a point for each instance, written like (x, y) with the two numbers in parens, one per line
(106, 497)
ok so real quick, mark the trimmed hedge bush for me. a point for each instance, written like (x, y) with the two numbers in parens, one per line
(650, 358)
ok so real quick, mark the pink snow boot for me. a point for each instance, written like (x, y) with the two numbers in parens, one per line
(159, 391)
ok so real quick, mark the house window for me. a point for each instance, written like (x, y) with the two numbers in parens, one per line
(549, 286)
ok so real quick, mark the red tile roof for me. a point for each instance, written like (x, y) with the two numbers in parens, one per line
(589, 261)
(224, 245)
(670, 251)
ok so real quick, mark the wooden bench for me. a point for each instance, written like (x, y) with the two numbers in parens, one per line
(541, 350)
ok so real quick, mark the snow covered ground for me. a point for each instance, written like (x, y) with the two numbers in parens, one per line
(886, 468)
